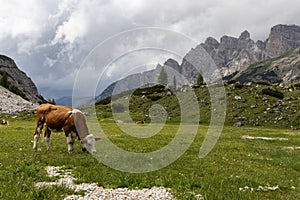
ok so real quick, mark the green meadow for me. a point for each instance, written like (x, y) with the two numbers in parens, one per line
(236, 168)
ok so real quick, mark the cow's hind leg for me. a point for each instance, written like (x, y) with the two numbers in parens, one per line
(47, 138)
(37, 134)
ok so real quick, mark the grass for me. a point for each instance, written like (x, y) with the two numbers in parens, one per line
(234, 163)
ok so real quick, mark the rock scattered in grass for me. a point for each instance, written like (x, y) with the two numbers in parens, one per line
(238, 124)
(199, 197)
(246, 188)
(93, 191)
(260, 188)
(291, 148)
(123, 193)
(267, 188)
(261, 138)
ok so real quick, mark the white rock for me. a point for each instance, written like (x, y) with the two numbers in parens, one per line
(93, 191)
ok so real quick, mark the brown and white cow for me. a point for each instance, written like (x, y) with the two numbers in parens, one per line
(4, 122)
(71, 121)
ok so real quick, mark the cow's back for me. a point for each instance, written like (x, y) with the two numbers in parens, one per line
(54, 116)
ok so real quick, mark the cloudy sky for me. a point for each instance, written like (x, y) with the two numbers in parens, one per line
(50, 39)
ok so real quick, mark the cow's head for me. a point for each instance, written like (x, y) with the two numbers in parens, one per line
(89, 143)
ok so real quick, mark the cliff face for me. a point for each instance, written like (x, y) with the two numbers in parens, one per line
(233, 54)
(284, 68)
(18, 81)
(282, 38)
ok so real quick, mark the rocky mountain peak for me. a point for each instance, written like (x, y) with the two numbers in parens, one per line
(7, 62)
(228, 42)
(17, 81)
(212, 42)
(173, 64)
(260, 44)
(232, 54)
(235, 54)
(245, 35)
(282, 38)
(284, 28)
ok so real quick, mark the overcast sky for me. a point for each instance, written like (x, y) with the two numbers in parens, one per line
(50, 39)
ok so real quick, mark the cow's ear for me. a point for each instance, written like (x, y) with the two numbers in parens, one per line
(97, 138)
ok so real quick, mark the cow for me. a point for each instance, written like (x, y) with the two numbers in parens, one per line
(139, 122)
(71, 121)
(4, 122)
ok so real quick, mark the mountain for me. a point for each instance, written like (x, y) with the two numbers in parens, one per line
(144, 79)
(233, 57)
(68, 101)
(64, 101)
(15, 80)
(284, 68)
(234, 54)
(282, 38)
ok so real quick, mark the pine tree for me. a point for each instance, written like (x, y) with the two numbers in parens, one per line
(3, 81)
(52, 101)
(174, 83)
(163, 77)
(200, 80)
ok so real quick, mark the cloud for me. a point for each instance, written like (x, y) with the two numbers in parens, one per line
(133, 52)
(75, 26)
(50, 39)
(23, 23)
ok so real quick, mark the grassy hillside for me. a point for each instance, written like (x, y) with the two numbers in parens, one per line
(258, 104)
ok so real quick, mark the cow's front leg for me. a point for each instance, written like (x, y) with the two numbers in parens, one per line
(47, 138)
(70, 142)
(37, 134)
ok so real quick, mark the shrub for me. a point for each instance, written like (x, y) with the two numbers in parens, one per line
(273, 93)
(105, 101)
(238, 85)
(296, 85)
(154, 97)
(149, 90)
(232, 81)
(262, 83)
